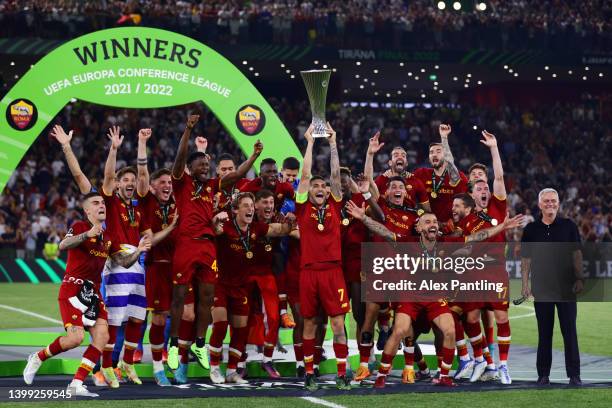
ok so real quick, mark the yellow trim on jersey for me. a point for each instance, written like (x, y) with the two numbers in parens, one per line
(454, 185)
(500, 198)
(336, 198)
(301, 198)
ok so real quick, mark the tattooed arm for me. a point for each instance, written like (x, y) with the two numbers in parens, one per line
(334, 162)
(453, 172)
(73, 241)
(125, 260)
(73, 164)
(484, 234)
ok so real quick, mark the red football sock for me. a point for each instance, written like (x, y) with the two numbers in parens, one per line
(341, 351)
(107, 353)
(462, 350)
(156, 339)
(216, 342)
(133, 331)
(51, 350)
(503, 339)
(475, 335)
(448, 354)
(186, 337)
(299, 352)
(308, 345)
(268, 351)
(385, 364)
(236, 346)
(89, 360)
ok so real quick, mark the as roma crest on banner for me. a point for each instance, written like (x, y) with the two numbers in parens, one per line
(21, 114)
(250, 120)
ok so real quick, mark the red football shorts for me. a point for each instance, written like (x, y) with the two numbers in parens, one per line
(233, 298)
(469, 306)
(352, 269)
(431, 309)
(194, 259)
(158, 286)
(71, 316)
(322, 286)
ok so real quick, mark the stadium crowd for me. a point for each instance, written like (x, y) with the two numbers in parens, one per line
(560, 145)
(505, 24)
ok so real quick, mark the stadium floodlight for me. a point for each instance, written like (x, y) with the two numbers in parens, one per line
(316, 62)
(356, 76)
(358, 63)
(365, 79)
(401, 64)
(457, 6)
(475, 127)
(388, 95)
(16, 76)
(554, 75)
(505, 67)
(479, 82)
(292, 76)
(325, 66)
(288, 71)
(435, 88)
(586, 68)
(601, 75)
(346, 91)
(334, 70)
(361, 86)
(441, 91)
(410, 74)
(433, 77)
(539, 78)
(546, 67)
(469, 75)
(510, 70)
(437, 67)
(482, 6)
(423, 96)
(416, 78)
(404, 86)
(375, 71)
(244, 62)
(466, 86)
(376, 93)
(12, 63)
(251, 68)
(467, 80)
(422, 69)
(584, 78)
(256, 74)
(441, 5)
(455, 78)
(516, 74)
(399, 92)
(436, 83)
(570, 72)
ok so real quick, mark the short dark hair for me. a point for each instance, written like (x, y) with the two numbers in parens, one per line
(478, 166)
(316, 177)
(240, 197)
(398, 148)
(263, 194)
(397, 178)
(90, 195)
(435, 144)
(267, 160)
(126, 169)
(291, 163)
(346, 170)
(194, 156)
(468, 201)
(161, 172)
(225, 156)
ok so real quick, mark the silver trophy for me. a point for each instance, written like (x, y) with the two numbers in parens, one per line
(317, 82)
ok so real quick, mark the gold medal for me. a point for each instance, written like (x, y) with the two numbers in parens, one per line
(420, 212)
(249, 254)
(164, 226)
(321, 227)
(494, 222)
(268, 248)
(345, 221)
(434, 194)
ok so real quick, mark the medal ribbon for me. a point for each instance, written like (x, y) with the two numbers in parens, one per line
(424, 248)
(321, 213)
(244, 239)
(165, 209)
(197, 187)
(130, 210)
(484, 216)
(401, 207)
(436, 187)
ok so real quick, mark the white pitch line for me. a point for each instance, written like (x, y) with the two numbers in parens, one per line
(320, 401)
(14, 309)
(521, 316)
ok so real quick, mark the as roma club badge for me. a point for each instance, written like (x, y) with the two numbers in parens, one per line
(250, 120)
(21, 114)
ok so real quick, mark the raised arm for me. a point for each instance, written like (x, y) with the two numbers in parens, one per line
(334, 163)
(373, 209)
(108, 185)
(453, 172)
(73, 164)
(307, 164)
(73, 241)
(499, 188)
(373, 147)
(181, 154)
(159, 236)
(201, 144)
(243, 169)
(142, 185)
(484, 234)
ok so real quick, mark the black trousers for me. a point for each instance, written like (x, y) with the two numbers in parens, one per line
(545, 313)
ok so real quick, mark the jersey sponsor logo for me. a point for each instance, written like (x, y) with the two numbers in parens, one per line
(21, 114)
(101, 254)
(399, 224)
(250, 120)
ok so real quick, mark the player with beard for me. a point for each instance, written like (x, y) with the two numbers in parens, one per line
(490, 208)
(236, 243)
(322, 283)
(417, 195)
(223, 198)
(125, 287)
(437, 312)
(353, 234)
(442, 180)
(193, 262)
(399, 218)
(80, 301)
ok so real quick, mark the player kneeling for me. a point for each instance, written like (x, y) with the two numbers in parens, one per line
(80, 302)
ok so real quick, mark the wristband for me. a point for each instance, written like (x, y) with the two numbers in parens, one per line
(141, 161)
(367, 195)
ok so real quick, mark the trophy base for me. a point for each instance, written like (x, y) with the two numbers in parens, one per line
(320, 127)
